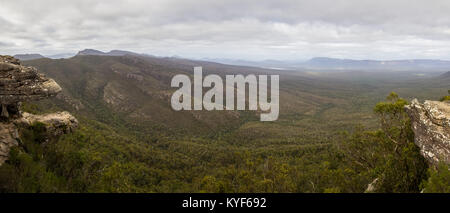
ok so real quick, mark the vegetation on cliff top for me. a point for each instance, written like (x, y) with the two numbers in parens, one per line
(130, 141)
(97, 159)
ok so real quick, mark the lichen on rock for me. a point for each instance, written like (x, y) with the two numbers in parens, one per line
(20, 83)
(431, 125)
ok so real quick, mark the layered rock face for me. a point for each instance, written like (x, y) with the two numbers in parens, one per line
(20, 83)
(431, 126)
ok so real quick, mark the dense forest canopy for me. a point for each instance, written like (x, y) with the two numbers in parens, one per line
(332, 135)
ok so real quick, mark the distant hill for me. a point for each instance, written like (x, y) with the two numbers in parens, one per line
(90, 52)
(27, 57)
(61, 55)
(110, 53)
(445, 75)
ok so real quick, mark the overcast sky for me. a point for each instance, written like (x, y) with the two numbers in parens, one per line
(239, 29)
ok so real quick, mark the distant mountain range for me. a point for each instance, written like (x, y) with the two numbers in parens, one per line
(27, 57)
(315, 64)
(110, 53)
(334, 64)
(368, 65)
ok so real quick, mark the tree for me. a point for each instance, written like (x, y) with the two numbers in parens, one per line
(388, 154)
(439, 181)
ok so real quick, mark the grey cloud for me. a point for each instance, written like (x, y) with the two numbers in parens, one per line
(257, 29)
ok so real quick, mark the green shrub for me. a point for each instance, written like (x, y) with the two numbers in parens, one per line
(439, 181)
(446, 98)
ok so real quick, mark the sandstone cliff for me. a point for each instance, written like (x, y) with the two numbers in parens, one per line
(431, 126)
(19, 83)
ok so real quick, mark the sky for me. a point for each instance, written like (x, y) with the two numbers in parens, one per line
(233, 29)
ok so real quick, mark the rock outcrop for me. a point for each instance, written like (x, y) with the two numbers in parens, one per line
(9, 137)
(20, 83)
(431, 126)
(56, 124)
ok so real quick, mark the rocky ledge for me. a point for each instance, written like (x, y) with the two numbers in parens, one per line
(20, 83)
(56, 124)
(431, 126)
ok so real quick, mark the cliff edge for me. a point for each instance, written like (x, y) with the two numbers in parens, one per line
(431, 125)
(20, 83)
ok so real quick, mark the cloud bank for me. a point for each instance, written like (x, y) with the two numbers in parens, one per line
(252, 30)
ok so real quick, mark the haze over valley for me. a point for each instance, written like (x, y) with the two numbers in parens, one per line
(348, 72)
